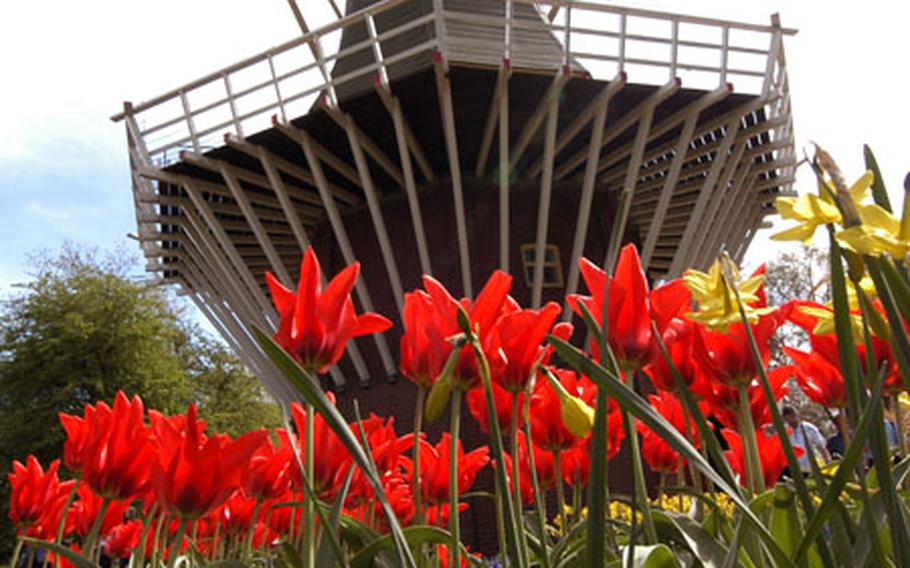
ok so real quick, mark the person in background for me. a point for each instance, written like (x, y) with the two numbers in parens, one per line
(802, 435)
(835, 444)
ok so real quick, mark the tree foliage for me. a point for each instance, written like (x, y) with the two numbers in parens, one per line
(801, 274)
(81, 329)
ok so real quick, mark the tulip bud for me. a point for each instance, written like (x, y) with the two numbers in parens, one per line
(438, 399)
(464, 321)
(577, 416)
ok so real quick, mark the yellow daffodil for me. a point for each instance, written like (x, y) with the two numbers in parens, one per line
(811, 211)
(879, 233)
(716, 302)
(825, 324)
(866, 286)
(576, 415)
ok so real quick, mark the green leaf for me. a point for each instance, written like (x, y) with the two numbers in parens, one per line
(687, 533)
(414, 536)
(844, 471)
(879, 193)
(311, 392)
(784, 522)
(656, 556)
(325, 555)
(640, 408)
(72, 556)
(898, 286)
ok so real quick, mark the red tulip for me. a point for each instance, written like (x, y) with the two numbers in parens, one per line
(77, 436)
(659, 456)
(628, 312)
(547, 428)
(85, 510)
(521, 335)
(669, 302)
(818, 377)
(236, 514)
(575, 462)
(770, 453)
(678, 337)
(267, 474)
(826, 345)
(423, 348)
(36, 498)
(317, 324)
(502, 399)
(332, 459)
(123, 539)
(726, 358)
(434, 469)
(118, 452)
(723, 401)
(194, 474)
(483, 314)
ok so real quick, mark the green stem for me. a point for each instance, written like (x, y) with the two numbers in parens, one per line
(14, 561)
(754, 478)
(509, 515)
(540, 498)
(516, 477)
(62, 524)
(597, 493)
(147, 523)
(174, 548)
(500, 524)
(309, 526)
(454, 521)
(248, 545)
(89, 544)
(899, 426)
(415, 458)
(560, 495)
(638, 471)
(156, 538)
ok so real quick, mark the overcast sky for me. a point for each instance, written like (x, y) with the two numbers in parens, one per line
(67, 66)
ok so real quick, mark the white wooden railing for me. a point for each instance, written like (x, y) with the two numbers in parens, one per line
(596, 39)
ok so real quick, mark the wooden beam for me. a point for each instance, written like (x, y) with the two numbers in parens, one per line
(628, 190)
(500, 91)
(586, 200)
(393, 106)
(390, 101)
(583, 118)
(369, 146)
(256, 225)
(695, 220)
(679, 158)
(532, 124)
(444, 92)
(382, 235)
(290, 168)
(627, 120)
(543, 207)
(504, 176)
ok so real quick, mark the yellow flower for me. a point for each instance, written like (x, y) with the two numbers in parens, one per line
(810, 210)
(716, 302)
(879, 233)
(825, 323)
(577, 416)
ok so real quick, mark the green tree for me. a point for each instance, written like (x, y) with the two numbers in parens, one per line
(801, 275)
(80, 330)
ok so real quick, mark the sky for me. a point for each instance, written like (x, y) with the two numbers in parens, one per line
(68, 66)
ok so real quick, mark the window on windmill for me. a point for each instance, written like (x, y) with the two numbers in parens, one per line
(552, 267)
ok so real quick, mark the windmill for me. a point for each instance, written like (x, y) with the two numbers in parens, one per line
(454, 137)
